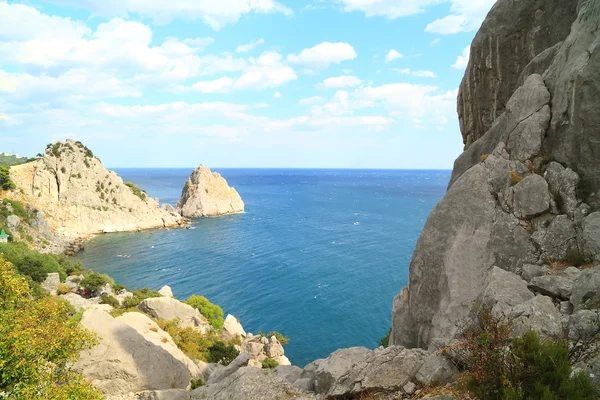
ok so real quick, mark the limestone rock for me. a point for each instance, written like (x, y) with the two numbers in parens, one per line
(511, 36)
(558, 240)
(591, 235)
(13, 221)
(76, 196)
(558, 285)
(124, 361)
(504, 290)
(168, 394)
(207, 194)
(531, 197)
(82, 304)
(525, 142)
(218, 375)
(166, 291)
(530, 271)
(168, 308)
(73, 281)
(409, 388)
(290, 373)
(232, 328)
(274, 348)
(250, 384)
(357, 369)
(584, 324)
(563, 184)
(436, 370)
(154, 334)
(538, 314)
(586, 290)
(51, 282)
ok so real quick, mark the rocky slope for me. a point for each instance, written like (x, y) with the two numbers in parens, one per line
(519, 227)
(75, 196)
(207, 194)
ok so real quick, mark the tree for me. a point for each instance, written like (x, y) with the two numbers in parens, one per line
(6, 182)
(39, 341)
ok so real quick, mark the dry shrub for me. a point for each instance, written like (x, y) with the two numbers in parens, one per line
(483, 157)
(515, 177)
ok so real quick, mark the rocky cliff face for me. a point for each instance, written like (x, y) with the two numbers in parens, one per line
(78, 196)
(523, 195)
(207, 194)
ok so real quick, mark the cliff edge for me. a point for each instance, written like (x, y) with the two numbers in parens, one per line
(77, 196)
(521, 215)
(207, 194)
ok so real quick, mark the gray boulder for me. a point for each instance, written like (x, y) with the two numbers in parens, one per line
(250, 383)
(558, 285)
(13, 222)
(357, 369)
(232, 328)
(531, 197)
(504, 290)
(538, 314)
(563, 183)
(584, 325)
(124, 361)
(218, 375)
(168, 394)
(168, 308)
(558, 240)
(166, 291)
(436, 370)
(585, 292)
(530, 271)
(525, 141)
(591, 235)
(51, 283)
(290, 373)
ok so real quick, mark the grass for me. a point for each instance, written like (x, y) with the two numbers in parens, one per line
(136, 190)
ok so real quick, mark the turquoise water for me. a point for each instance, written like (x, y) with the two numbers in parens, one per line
(318, 255)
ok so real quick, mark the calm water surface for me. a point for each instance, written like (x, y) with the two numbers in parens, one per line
(318, 254)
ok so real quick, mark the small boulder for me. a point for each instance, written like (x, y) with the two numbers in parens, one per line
(409, 388)
(13, 222)
(168, 394)
(51, 283)
(504, 290)
(591, 235)
(232, 328)
(531, 197)
(73, 281)
(585, 292)
(290, 373)
(558, 285)
(558, 240)
(530, 271)
(166, 291)
(240, 361)
(436, 370)
(168, 308)
(538, 314)
(274, 348)
(562, 183)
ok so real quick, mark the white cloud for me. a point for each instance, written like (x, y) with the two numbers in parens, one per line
(312, 100)
(244, 48)
(387, 8)
(435, 42)
(463, 59)
(340, 82)
(417, 73)
(277, 95)
(466, 16)
(221, 85)
(214, 13)
(392, 55)
(323, 55)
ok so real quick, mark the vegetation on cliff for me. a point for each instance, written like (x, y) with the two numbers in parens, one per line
(211, 311)
(39, 340)
(5, 182)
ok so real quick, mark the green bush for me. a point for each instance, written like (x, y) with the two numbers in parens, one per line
(269, 363)
(95, 281)
(130, 302)
(211, 311)
(136, 190)
(145, 293)
(500, 367)
(6, 182)
(31, 263)
(111, 301)
(18, 209)
(222, 353)
(196, 383)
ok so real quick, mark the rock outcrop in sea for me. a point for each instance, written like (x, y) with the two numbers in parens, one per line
(207, 194)
(75, 196)
(519, 227)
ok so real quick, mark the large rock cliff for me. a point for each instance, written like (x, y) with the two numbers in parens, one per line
(207, 194)
(77, 196)
(523, 194)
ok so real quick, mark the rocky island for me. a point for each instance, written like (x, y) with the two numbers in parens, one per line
(207, 194)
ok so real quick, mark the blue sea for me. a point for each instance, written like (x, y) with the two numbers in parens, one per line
(318, 255)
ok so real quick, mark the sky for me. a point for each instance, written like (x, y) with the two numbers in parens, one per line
(238, 83)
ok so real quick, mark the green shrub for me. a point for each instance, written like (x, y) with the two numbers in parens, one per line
(31, 263)
(222, 353)
(117, 288)
(95, 281)
(111, 301)
(18, 209)
(196, 383)
(211, 311)
(269, 363)
(502, 368)
(145, 293)
(136, 190)
(130, 302)
(6, 182)
(385, 341)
